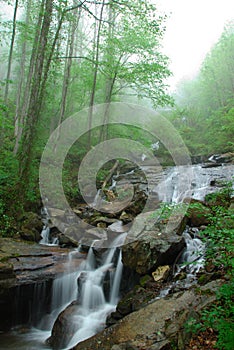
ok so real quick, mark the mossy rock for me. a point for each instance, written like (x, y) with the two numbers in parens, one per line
(199, 214)
(222, 198)
(144, 280)
(31, 227)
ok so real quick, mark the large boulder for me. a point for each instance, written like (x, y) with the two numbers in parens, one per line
(158, 326)
(199, 214)
(27, 270)
(31, 227)
(63, 329)
(150, 244)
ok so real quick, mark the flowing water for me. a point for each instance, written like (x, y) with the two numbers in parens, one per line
(46, 238)
(94, 303)
(180, 182)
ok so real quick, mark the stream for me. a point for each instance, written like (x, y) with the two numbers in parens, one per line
(95, 304)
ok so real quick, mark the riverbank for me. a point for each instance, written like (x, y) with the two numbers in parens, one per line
(148, 289)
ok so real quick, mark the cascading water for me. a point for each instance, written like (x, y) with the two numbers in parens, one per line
(94, 304)
(45, 233)
(191, 261)
(172, 188)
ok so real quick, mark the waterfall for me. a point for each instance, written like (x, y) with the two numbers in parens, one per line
(97, 198)
(193, 257)
(45, 233)
(190, 181)
(94, 305)
(116, 283)
(191, 261)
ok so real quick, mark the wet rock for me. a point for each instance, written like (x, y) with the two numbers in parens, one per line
(222, 158)
(126, 217)
(161, 273)
(66, 241)
(145, 280)
(159, 325)
(31, 262)
(211, 165)
(6, 271)
(152, 245)
(31, 227)
(198, 213)
(103, 219)
(132, 301)
(64, 328)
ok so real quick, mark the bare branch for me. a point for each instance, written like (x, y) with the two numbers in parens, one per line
(94, 16)
(76, 57)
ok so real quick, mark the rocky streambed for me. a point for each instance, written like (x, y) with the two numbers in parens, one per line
(156, 295)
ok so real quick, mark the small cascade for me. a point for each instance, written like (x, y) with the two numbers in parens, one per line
(64, 291)
(97, 198)
(194, 253)
(190, 181)
(191, 262)
(94, 305)
(193, 257)
(114, 296)
(45, 233)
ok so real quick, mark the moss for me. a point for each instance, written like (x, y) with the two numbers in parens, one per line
(144, 280)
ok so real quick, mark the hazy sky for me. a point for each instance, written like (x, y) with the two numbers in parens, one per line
(192, 29)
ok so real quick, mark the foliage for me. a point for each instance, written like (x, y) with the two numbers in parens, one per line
(52, 69)
(220, 250)
(204, 112)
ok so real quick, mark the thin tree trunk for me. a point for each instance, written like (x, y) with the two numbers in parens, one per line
(11, 53)
(22, 113)
(22, 73)
(35, 102)
(67, 68)
(110, 80)
(8, 75)
(96, 64)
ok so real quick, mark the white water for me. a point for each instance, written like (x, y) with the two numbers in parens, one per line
(191, 261)
(94, 305)
(194, 253)
(191, 181)
(45, 233)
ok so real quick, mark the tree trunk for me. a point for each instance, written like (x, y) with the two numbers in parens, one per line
(96, 65)
(21, 114)
(35, 101)
(8, 75)
(67, 69)
(110, 80)
(11, 53)
(22, 73)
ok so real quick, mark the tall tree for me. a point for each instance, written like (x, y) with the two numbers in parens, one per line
(11, 52)
(97, 38)
(35, 99)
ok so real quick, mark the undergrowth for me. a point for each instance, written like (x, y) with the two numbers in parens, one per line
(219, 236)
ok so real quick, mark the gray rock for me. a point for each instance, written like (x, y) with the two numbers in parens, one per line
(156, 326)
(152, 244)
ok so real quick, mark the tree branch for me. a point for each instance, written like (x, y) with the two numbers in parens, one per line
(77, 57)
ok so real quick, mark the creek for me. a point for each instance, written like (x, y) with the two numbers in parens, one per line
(88, 283)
